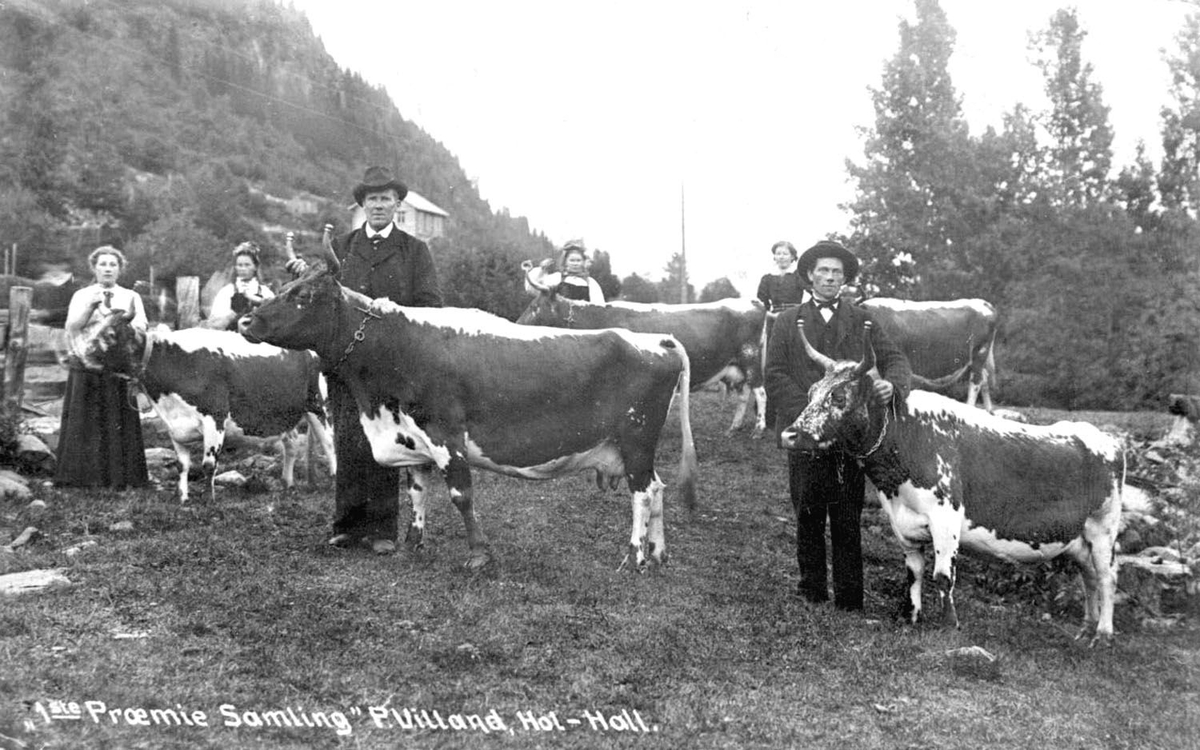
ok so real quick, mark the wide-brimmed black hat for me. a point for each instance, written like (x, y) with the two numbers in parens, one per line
(827, 249)
(376, 180)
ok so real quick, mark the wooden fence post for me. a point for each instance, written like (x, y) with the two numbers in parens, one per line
(19, 299)
(187, 298)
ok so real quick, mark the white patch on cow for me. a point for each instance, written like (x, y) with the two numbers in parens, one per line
(978, 306)
(736, 304)
(985, 542)
(935, 409)
(470, 322)
(187, 426)
(390, 437)
(226, 343)
(181, 418)
(908, 513)
(604, 457)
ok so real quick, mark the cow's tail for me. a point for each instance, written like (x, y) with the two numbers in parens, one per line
(688, 466)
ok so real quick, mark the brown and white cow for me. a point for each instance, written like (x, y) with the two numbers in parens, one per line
(949, 475)
(449, 389)
(944, 341)
(722, 338)
(204, 383)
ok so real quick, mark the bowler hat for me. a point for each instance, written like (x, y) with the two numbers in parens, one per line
(828, 249)
(378, 179)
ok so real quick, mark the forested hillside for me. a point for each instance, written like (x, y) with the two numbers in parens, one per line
(177, 128)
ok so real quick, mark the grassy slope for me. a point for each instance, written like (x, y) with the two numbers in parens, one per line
(242, 603)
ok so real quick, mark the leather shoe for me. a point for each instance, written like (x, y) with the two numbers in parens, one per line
(383, 546)
(341, 540)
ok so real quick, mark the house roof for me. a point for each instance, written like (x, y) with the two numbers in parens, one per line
(421, 203)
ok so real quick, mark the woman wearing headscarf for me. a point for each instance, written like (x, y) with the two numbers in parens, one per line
(243, 294)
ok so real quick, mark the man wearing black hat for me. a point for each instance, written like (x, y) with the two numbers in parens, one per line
(827, 483)
(377, 259)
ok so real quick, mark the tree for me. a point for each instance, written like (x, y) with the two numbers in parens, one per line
(1179, 178)
(636, 289)
(669, 287)
(174, 246)
(906, 224)
(1080, 153)
(720, 289)
(601, 270)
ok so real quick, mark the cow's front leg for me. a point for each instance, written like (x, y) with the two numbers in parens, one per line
(760, 421)
(183, 456)
(458, 479)
(419, 478)
(287, 448)
(945, 524)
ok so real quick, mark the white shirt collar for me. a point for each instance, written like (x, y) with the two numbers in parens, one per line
(371, 233)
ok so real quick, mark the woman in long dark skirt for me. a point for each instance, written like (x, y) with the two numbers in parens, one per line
(100, 440)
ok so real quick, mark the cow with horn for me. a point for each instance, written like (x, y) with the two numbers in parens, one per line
(722, 339)
(952, 476)
(445, 390)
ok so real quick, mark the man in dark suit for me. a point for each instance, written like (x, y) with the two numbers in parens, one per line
(827, 483)
(377, 259)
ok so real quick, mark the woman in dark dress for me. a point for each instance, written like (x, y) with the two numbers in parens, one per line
(779, 290)
(100, 438)
(782, 288)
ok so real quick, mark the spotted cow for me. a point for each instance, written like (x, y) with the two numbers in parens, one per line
(445, 390)
(949, 475)
(203, 383)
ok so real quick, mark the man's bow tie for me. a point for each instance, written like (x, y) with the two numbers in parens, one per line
(829, 304)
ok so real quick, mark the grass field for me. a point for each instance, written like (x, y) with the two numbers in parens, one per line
(234, 608)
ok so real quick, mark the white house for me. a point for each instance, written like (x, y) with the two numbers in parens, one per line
(416, 215)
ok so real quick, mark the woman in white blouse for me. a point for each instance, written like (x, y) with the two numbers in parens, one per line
(100, 437)
(243, 294)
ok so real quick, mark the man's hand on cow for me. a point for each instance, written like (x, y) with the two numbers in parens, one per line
(883, 391)
(382, 305)
(296, 266)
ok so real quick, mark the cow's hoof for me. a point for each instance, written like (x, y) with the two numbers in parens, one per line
(756, 435)
(415, 538)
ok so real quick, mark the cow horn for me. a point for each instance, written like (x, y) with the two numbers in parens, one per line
(813, 354)
(868, 360)
(528, 267)
(331, 259)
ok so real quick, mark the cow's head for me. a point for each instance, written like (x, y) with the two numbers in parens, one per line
(838, 404)
(546, 308)
(116, 345)
(305, 313)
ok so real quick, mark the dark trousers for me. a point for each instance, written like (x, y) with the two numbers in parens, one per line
(366, 495)
(828, 484)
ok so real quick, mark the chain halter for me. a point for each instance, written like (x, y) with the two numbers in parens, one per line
(887, 410)
(359, 335)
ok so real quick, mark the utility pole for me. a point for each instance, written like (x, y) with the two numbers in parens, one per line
(683, 275)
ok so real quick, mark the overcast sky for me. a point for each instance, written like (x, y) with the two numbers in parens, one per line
(599, 119)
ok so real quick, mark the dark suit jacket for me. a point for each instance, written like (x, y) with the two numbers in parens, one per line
(401, 268)
(790, 372)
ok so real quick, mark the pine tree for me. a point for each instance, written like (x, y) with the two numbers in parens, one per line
(1080, 152)
(905, 223)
